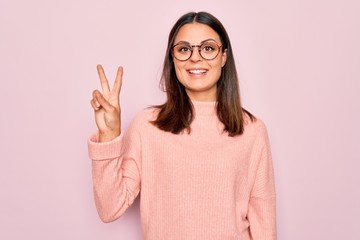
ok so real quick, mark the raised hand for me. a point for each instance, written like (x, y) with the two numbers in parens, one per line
(107, 106)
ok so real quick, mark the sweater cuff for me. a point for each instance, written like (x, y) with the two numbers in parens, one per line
(104, 150)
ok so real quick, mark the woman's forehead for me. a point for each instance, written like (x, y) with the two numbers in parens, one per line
(195, 33)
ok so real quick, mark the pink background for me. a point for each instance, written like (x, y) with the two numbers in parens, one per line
(298, 63)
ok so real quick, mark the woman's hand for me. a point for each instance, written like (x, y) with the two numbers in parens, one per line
(107, 106)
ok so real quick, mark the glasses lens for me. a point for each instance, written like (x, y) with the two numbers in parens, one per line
(209, 50)
(182, 51)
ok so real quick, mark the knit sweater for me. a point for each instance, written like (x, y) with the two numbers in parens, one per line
(202, 185)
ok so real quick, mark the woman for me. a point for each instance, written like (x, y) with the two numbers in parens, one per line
(202, 163)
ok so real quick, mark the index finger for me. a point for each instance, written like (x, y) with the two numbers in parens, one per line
(118, 80)
(103, 80)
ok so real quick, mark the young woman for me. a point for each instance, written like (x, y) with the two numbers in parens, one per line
(201, 162)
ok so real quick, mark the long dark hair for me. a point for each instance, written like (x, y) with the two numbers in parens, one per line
(176, 114)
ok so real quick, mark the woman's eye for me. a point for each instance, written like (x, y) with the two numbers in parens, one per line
(208, 48)
(184, 49)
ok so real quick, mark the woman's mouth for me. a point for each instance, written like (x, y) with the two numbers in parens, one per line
(197, 71)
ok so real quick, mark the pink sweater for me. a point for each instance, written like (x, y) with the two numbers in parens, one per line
(203, 185)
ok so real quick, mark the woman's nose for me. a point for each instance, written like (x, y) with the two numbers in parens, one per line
(195, 56)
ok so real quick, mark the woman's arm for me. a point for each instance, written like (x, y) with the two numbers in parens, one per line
(116, 175)
(262, 204)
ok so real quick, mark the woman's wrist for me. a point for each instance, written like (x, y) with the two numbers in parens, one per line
(108, 136)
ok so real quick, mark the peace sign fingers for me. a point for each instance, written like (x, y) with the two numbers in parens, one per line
(103, 80)
(107, 106)
(118, 81)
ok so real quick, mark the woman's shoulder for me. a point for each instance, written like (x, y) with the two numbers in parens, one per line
(147, 114)
(255, 126)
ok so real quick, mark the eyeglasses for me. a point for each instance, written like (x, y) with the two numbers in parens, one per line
(207, 50)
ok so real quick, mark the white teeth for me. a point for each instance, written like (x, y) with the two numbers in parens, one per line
(197, 71)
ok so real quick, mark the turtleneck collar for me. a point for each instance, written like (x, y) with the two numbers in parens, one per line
(204, 108)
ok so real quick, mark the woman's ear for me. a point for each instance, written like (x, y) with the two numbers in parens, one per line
(224, 58)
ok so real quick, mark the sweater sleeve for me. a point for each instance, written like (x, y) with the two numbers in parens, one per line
(262, 211)
(115, 173)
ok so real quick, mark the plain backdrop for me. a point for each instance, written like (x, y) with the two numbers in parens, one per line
(299, 68)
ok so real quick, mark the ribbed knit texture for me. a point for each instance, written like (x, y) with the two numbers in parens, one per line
(202, 185)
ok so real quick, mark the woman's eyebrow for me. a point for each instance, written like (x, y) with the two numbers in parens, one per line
(206, 40)
(182, 42)
(209, 39)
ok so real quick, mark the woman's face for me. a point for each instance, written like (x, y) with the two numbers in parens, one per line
(197, 75)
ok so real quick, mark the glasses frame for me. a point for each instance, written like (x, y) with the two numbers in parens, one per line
(199, 49)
